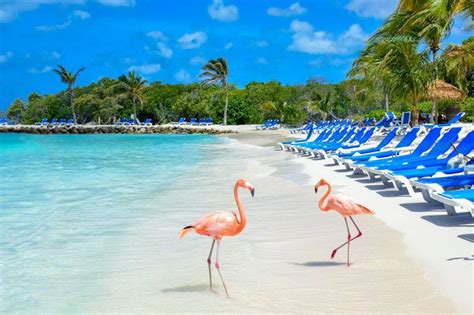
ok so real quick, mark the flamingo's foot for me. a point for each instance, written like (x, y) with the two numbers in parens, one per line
(209, 261)
(333, 253)
(359, 235)
(218, 265)
(348, 237)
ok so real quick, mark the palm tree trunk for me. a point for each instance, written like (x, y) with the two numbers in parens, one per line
(226, 104)
(416, 112)
(71, 104)
(386, 102)
(134, 111)
(434, 107)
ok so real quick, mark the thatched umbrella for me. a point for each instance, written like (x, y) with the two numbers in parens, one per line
(441, 90)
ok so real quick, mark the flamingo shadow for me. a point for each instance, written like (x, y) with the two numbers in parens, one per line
(188, 288)
(319, 264)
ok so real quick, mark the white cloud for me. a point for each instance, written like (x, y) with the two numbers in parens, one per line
(317, 63)
(51, 55)
(10, 9)
(260, 43)
(372, 8)
(118, 3)
(128, 60)
(5, 57)
(164, 50)
(81, 14)
(76, 14)
(182, 76)
(307, 40)
(197, 60)
(262, 61)
(40, 71)
(192, 40)
(228, 46)
(337, 62)
(292, 10)
(146, 69)
(157, 35)
(225, 13)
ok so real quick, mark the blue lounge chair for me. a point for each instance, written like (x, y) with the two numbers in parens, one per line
(265, 124)
(284, 143)
(62, 122)
(430, 185)
(424, 145)
(193, 121)
(401, 175)
(54, 122)
(456, 200)
(382, 166)
(70, 122)
(350, 136)
(364, 154)
(43, 122)
(404, 122)
(147, 122)
(209, 121)
(452, 121)
(3, 122)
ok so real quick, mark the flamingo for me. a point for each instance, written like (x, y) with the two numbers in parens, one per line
(219, 224)
(345, 206)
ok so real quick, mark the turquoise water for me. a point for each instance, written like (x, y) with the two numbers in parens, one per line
(68, 202)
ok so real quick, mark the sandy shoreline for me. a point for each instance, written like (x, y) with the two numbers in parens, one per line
(435, 243)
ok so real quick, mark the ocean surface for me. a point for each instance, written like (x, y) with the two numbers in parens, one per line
(68, 202)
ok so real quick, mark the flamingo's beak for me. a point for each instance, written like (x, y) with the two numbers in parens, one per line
(252, 191)
(316, 189)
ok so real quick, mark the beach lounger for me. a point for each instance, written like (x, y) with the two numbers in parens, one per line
(349, 157)
(209, 121)
(430, 185)
(382, 166)
(452, 121)
(264, 125)
(351, 138)
(457, 200)
(402, 174)
(43, 122)
(193, 122)
(147, 122)
(70, 122)
(422, 147)
(54, 122)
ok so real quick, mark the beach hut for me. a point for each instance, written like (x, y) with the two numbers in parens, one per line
(441, 90)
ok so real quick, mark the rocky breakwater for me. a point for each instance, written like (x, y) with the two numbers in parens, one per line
(102, 129)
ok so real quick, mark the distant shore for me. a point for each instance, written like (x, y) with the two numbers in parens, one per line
(130, 129)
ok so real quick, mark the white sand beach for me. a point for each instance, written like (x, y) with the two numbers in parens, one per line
(408, 260)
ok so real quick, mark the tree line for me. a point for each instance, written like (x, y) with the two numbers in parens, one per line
(398, 71)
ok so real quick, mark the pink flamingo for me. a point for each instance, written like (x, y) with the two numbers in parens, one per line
(219, 224)
(345, 206)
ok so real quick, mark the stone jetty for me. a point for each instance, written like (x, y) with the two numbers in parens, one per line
(103, 129)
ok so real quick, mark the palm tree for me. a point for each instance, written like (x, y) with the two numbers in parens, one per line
(69, 78)
(215, 71)
(457, 63)
(132, 86)
(407, 72)
(429, 21)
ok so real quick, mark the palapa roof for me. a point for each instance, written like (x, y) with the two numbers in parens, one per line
(441, 90)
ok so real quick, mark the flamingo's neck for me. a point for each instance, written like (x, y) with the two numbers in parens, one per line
(322, 204)
(243, 218)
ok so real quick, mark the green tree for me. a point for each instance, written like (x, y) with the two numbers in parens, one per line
(215, 71)
(16, 111)
(132, 86)
(69, 78)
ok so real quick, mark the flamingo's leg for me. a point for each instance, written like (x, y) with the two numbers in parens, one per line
(344, 244)
(359, 234)
(218, 266)
(209, 263)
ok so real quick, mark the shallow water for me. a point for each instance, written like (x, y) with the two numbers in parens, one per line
(89, 224)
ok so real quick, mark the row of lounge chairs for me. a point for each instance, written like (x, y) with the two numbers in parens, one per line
(430, 162)
(55, 122)
(3, 121)
(131, 122)
(194, 122)
(270, 124)
(388, 122)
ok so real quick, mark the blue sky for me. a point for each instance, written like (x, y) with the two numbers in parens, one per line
(263, 40)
